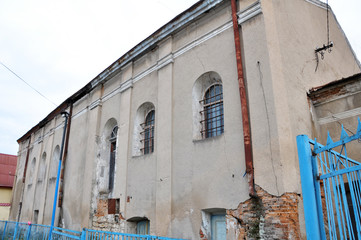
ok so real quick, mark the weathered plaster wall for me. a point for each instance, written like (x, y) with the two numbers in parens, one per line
(186, 178)
(292, 75)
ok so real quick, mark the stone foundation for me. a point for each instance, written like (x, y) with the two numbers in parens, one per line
(265, 217)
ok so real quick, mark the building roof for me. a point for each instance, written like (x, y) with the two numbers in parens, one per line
(7, 169)
(176, 24)
(334, 89)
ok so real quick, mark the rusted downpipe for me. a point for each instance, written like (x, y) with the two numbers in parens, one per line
(244, 103)
(61, 188)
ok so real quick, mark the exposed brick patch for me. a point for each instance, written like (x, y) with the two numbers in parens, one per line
(102, 208)
(107, 222)
(202, 235)
(267, 217)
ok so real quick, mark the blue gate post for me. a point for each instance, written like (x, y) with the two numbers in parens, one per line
(308, 188)
(3, 236)
(83, 234)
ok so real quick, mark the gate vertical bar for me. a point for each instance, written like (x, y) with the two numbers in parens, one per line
(16, 229)
(308, 188)
(28, 232)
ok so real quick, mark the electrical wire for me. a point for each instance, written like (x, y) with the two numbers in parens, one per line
(328, 25)
(28, 84)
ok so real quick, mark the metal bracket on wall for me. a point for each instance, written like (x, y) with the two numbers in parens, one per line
(322, 50)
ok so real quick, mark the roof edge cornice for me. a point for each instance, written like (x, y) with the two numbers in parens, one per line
(173, 26)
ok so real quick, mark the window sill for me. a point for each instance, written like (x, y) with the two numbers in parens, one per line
(208, 139)
(143, 155)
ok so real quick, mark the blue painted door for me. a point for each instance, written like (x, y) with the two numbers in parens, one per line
(218, 227)
(143, 227)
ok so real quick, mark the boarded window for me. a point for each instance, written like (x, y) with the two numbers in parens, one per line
(113, 206)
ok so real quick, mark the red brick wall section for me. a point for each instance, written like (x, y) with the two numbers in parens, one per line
(266, 217)
(107, 222)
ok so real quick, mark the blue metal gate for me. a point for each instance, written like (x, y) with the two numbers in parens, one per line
(331, 187)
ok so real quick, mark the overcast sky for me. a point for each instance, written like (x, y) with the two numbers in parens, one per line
(60, 46)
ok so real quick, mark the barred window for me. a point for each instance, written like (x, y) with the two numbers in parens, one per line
(148, 133)
(212, 113)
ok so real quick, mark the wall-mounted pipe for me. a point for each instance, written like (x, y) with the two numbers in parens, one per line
(61, 189)
(244, 103)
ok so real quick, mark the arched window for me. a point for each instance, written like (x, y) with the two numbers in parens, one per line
(113, 146)
(143, 133)
(42, 168)
(31, 171)
(207, 106)
(212, 122)
(54, 164)
(148, 133)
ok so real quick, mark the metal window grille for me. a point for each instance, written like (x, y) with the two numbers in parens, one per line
(212, 113)
(147, 134)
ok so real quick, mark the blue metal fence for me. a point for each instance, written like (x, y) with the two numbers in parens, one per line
(15, 230)
(331, 187)
(104, 235)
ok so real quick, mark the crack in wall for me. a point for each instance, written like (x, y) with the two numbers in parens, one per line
(268, 125)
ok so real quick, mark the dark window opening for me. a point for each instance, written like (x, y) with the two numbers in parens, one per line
(36, 215)
(113, 145)
(148, 133)
(212, 122)
(355, 185)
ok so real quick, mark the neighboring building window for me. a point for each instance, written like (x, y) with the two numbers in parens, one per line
(143, 227)
(148, 133)
(113, 145)
(212, 122)
(218, 227)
